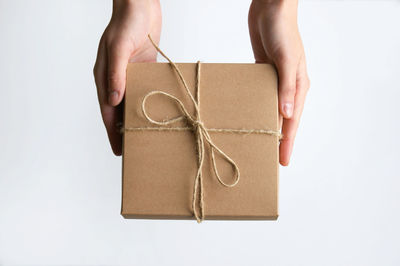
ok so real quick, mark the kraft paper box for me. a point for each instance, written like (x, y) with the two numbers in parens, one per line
(160, 166)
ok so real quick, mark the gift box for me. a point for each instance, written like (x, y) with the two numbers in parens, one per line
(200, 141)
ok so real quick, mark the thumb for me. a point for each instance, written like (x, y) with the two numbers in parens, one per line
(118, 58)
(287, 88)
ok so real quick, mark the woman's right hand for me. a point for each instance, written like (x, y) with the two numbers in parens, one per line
(124, 40)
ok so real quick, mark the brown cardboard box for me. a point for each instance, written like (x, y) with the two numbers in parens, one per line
(159, 167)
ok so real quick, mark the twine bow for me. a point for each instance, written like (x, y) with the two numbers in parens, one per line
(201, 133)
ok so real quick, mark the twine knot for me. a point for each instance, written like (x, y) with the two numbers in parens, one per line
(198, 124)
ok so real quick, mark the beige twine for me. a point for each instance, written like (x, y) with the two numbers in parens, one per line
(201, 132)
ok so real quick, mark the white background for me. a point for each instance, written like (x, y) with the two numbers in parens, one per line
(60, 185)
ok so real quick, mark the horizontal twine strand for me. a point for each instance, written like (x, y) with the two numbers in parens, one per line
(215, 130)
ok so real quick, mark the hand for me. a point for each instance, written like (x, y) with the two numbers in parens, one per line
(124, 40)
(275, 39)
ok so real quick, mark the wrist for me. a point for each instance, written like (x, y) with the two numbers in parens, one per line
(276, 4)
(129, 4)
(274, 9)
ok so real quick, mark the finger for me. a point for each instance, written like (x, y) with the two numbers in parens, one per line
(287, 87)
(290, 126)
(111, 115)
(112, 118)
(280, 121)
(99, 72)
(118, 58)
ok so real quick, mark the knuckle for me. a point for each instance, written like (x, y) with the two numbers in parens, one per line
(283, 58)
(118, 44)
(291, 88)
(304, 89)
(287, 138)
(288, 91)
(95, 69)
(307, 82)
(96, 74)
(114, 45)
(306, 85)
(113, 76)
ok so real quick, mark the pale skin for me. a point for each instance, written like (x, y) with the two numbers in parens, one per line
(275, 39)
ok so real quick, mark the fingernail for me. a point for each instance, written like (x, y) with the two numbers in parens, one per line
(288, 109)
(113, 98)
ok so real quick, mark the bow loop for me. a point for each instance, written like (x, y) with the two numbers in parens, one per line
(185, 113)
